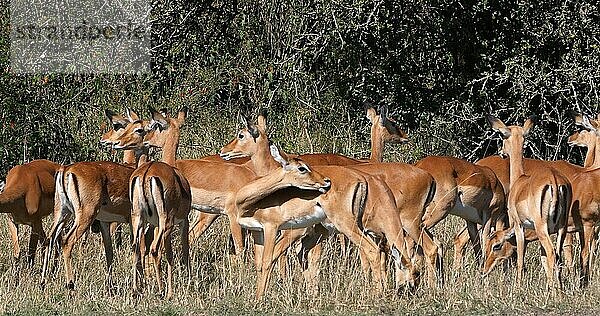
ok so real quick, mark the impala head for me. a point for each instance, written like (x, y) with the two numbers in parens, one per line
(154, 133)
(583, 138)
(118, 124)
(501, 246)
(248, 139)
(513, 136)
(588, 124)
(384, 127)
(298, 174)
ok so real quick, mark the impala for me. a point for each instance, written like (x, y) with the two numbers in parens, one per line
(585, 138)
(206, 219)
(462, 188)
(585, 209)
(539, 200)
(413, 188)
(90, 191)
(28, 197)
(159, 194)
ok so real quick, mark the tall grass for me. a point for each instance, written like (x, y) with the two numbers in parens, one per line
(218, 284)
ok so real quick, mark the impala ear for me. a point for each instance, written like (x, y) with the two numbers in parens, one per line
(164, 112)
(529, 124)
(262, 119)
(383, 112)
(2, 185)
(585, 122)
(498, 126)
(158, 120)
(182, 115)
(131, 115)
(251, 128)
(116, 120)
(277, 156)
(371, 114)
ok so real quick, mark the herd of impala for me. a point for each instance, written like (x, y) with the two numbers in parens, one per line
(385, 209)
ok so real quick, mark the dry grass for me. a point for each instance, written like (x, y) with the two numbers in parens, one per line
(221, 286)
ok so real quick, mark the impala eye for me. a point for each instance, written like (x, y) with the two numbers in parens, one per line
(139, 131)
(302, 169)
(241, 136)
(497, 247)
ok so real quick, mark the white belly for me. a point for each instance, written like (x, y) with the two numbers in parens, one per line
(250, 223)
(466, 211)
(317, 216)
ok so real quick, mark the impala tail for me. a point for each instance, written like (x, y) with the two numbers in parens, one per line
(359, 199)
(61, 196)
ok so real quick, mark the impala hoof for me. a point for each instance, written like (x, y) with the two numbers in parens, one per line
(407, 290)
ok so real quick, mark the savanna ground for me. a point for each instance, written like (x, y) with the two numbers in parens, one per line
(219, 285)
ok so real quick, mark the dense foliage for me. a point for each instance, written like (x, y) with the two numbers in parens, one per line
(439, 66)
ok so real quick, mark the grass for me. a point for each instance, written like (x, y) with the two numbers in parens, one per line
(219, 285)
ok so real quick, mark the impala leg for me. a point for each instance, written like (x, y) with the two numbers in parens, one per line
(546, 243)
(259, 242)
(80, 226)
(269, 235)
(474, 237)
(586, 236)
(201, 224)
(168, 246)
(371, 251)
(137, 230)
(61, 215)
(116, 229)
(310, 256)
(37, 235)
(108, 249)
(14, 236)
(520, 239)
(237, 236)
(558, 264)
(461, 240)
(432, 251)
(568, 252)
(156, 254)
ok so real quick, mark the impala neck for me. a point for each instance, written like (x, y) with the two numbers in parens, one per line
(169, 151)
(377, 145)
(259, 189)
(516, 165)
(592, 158)
(141, 156)
(262, 161)
(129, 157)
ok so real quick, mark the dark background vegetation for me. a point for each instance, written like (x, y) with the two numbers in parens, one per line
(439, 66)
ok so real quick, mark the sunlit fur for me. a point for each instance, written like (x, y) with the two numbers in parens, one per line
(28, 197)
(539, 200)
(412, 201)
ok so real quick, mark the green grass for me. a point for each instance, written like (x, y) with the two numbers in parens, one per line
(221, 286)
